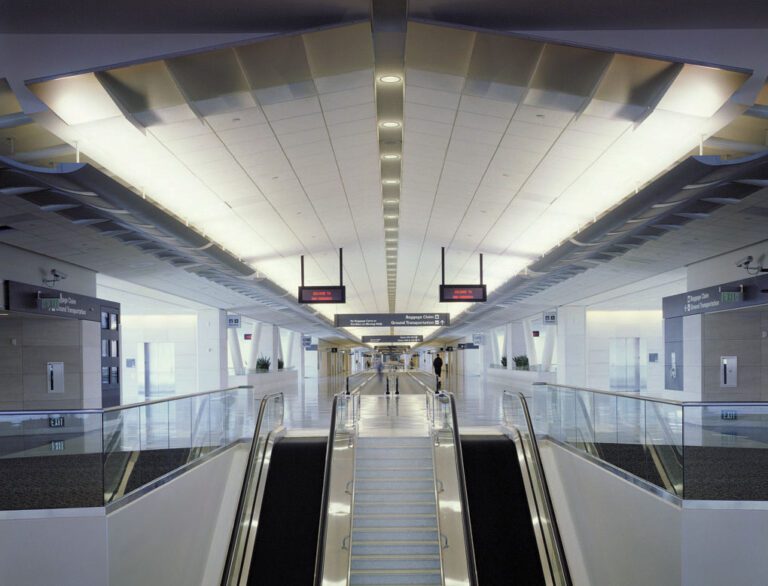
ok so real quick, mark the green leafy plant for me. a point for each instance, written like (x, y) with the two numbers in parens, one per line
(504, 361)
(263, 363)
(521, 362)
(280, 364)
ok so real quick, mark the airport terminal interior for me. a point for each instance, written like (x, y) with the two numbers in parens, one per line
(383, 292)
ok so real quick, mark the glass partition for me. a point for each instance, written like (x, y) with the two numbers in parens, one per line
(90, 458)
(703, 451)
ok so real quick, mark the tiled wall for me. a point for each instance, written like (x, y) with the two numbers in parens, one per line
(28, 344)
(744, 334)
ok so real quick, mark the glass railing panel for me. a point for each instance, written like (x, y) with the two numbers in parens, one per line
(604, 419)
(122, 444)
(50, 460)
(726, 451)
(664, 442)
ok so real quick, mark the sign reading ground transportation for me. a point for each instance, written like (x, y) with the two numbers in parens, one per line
(404, 339)
(469, 293)
(391, 320)
(733, 295)
(316, 294)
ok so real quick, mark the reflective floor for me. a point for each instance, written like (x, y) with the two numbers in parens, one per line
(479, 402)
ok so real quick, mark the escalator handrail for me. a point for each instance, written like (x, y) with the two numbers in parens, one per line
(249, 471)
(323, 526)
(465, 517)
(539, 471)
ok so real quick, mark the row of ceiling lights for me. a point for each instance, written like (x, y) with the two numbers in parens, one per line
(391, 200)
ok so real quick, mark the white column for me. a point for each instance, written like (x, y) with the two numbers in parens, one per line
(276, 352)
(530, 348)
(255, 345)
(235, 352)
(550, 338)
(291, 349)
(571, 345)
(509, 337)
(212, 349)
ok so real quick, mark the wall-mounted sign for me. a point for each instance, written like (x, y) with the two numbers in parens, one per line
(56, 421)
(550, 317)
(247, 336)
(449, 348)
(465, 293)
(477, 339)
(391, 320)
(57, 445)
(403, 339)
(535, 333)
(734, 295)
(233, 321)
(334, 350)
(468, 346)
(317, 294)
(45, 301)
(306, 341)
(311, 348)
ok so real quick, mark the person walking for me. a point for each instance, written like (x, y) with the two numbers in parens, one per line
(437, 364)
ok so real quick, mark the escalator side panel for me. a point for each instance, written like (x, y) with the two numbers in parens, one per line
(502, 531)
(286, 539)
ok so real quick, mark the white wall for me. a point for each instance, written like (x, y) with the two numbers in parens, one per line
(166, 536)
(613, 533)
(616, 533)
(176, 535)
(647, 324)
(65, 547)
(723, 269)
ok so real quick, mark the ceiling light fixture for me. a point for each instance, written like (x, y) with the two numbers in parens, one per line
(391, 181)
(390, 124)
(391, 157)
(390, 78)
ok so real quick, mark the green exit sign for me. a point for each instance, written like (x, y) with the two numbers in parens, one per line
(731, 294)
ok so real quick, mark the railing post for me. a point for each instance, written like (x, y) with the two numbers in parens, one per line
(347, 385)
(387, 384)
(397, 385)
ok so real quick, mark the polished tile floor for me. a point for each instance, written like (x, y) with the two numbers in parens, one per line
(479, 401)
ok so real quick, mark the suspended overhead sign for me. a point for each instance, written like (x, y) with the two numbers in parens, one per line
(462, 293)
(404, 339)
(469, 293)
(332, 294)
(392, 349)
(324, 293)
(391, 320)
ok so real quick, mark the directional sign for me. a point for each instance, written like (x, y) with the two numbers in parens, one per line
(392, 349)
(404, 339)
(391, 320)
(468, 346)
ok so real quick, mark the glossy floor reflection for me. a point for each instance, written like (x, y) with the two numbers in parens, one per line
(479, 401)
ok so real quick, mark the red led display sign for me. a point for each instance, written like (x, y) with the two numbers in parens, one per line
(466, 293)
(332, 294)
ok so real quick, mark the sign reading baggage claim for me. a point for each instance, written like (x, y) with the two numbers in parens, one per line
(391, 320)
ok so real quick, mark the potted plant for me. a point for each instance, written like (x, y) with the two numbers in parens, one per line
(521, 362)
(504, 361)
(263, 363)
(280, 364)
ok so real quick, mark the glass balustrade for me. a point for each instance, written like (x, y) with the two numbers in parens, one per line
(702, 451)
(90, 458)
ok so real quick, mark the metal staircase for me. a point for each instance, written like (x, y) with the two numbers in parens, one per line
(395, 529)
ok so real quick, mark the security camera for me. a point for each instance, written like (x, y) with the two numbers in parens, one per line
(745, 262)
(60, 276)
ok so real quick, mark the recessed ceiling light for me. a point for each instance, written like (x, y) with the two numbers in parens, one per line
(390, 124)
(391, 181)
(391, 229)
(390, 157)
(390, 78)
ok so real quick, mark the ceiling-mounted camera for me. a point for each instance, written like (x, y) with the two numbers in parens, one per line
(55, 277)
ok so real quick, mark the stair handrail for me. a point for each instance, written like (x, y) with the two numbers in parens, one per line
(556, 558)
(323, 526)
(233, 567)
(465, 517)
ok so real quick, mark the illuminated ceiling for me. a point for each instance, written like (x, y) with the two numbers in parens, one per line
(274, 149)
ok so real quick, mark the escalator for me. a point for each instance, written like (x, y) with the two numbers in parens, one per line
(286, 540)
(502, 530)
